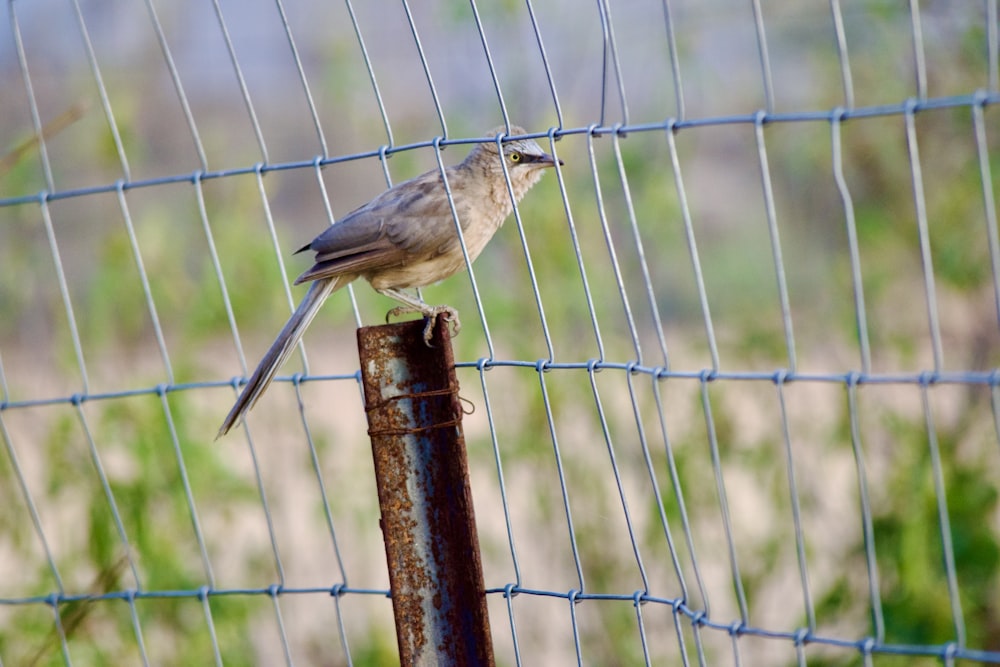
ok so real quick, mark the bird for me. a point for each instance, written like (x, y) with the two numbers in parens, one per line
(406, 238)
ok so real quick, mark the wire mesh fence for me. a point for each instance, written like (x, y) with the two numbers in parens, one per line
(734, 365)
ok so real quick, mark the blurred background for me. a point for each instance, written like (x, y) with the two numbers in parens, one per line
(827, 247)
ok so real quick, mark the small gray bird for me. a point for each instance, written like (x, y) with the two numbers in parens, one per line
(406, 238)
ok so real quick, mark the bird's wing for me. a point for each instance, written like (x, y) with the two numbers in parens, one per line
(410, 221)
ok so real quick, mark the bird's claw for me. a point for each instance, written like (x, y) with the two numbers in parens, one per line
(430, 315)
(450, 316)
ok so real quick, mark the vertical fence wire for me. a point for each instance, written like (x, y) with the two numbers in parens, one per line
(427, 70)
(637, 604)
(735, 636)
(678, 489)
(944, 527)
(989, 201)
(61, 633)
(508, 596)
(286, 649)
(175, 79)
(610, 245)
(735, 573)
(182, 471)
(992, 46)
(147, 290)
(206, 609)
(793, 493)
(692, 246)
(563, 490)
(573, 594)
(36, 120)
(654, 308)
(578, 253)
(265, 507)
(616, 472)
(328, 209)
(545, 63)
(533, 278)
(920, 206)
(4, 388)
(840, 36)
(679, 633)
(919, 59)
(508, 521)
(764, 55)
(860, 312)
(109, 496)
(995, 404)
(776, 252)
(137, 629)
(320, 136)
(867, 526)
(102, 92)
(321, 485)
(371, 72)
(655, 485)
(492, 67)
(278, 255)
(198, 181)
(461, 239)
(611, 56)
(29, 502)
(64, 292)
(613, 260)
(341, 630)
(675, 63)
(241, 80)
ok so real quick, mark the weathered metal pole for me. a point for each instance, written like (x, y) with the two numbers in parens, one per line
(415, 425)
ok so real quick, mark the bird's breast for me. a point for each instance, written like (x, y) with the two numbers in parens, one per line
(444, 259)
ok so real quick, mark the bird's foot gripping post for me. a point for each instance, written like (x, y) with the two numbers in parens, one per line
(431, 316)
(428, 524)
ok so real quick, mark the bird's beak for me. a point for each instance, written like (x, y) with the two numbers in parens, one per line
(546, 160)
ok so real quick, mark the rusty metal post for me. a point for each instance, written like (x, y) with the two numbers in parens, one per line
(428, 525)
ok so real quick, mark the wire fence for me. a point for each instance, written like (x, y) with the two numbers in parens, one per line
(735, 365)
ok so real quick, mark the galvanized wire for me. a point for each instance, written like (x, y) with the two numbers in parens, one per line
(645, 448)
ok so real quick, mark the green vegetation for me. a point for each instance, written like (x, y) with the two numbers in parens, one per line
(138, 438)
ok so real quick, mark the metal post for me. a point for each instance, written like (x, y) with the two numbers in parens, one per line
(415, 425)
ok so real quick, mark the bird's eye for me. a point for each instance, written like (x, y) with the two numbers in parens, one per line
(515, 157)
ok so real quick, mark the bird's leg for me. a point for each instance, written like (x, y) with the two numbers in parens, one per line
(413, 304)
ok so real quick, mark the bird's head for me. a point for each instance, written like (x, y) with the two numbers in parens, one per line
(520, 153)
(524, 159)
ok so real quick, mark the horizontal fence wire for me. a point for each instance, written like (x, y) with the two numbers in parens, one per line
(908, 107)
(684, 451)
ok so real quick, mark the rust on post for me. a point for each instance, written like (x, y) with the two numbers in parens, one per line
(428, 524)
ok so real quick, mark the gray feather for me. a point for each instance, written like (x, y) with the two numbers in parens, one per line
(279, 351)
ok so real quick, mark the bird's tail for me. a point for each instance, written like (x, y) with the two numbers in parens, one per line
(279, 351)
